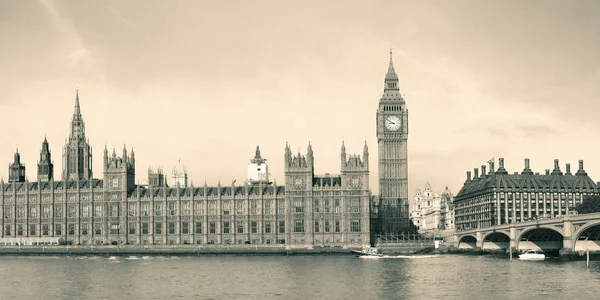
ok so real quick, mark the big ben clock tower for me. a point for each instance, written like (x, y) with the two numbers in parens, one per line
(392, 134)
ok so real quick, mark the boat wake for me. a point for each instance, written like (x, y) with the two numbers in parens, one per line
(401, 256)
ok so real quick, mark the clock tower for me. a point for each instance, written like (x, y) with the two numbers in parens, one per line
(392, 135)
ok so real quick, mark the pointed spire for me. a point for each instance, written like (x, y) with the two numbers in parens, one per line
(77, 111)
(391, 79)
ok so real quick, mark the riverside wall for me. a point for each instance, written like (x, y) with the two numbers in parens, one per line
(171, 250)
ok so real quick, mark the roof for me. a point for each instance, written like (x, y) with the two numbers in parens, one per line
(526, 183)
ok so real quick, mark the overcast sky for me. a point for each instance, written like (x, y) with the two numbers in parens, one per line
(205, 83)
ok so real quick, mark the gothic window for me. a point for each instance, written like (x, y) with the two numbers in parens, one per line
(254, 226)
(85, 211)
(185, 208)
(131, 228)
(316, 226)
(171, 227)
(132, 209)
(157, 209)
(20, 212)
(355, 226)
(144, 209)
(225, 227)
(212, 226)
(185, 227)
(114, 228)
(33, 212)
(240, 207)
(281, 226)
(240, 227)
(267, 227)
(84, 228)
(299, 225)
(172, 210)
(157, 228)
(45, 229)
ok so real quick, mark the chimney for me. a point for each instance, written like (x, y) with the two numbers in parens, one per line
(491, 163)
(581, 171)
(501, 169)
(483, 170)
(556, 170)
(547, 171)
(568, 169)
(476, 171)
(468, 176)
(527, 170)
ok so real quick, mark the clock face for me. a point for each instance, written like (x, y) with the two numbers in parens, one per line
(392, 123)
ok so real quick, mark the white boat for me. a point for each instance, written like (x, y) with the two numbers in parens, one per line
(533, 254)
(367, 251)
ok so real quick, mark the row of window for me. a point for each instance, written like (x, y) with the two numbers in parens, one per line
(226, 228)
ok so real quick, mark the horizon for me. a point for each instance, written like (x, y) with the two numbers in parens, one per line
(205, 85)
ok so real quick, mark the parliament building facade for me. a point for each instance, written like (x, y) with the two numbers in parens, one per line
(308, 210)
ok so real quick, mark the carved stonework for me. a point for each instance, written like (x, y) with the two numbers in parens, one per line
(576, 226)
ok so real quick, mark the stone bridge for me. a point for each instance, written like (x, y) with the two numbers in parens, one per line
(564, 233)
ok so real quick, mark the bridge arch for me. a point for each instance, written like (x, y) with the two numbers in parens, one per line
(496, 240)
(467, 242)
(540, 237)
(587, 237)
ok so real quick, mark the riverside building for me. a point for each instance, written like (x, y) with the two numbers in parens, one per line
(497, 197)
(308, 210)
(432, 212)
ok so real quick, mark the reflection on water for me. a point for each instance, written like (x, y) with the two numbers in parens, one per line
(294, 277)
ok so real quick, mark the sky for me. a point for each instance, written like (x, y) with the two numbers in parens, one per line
(204, 83)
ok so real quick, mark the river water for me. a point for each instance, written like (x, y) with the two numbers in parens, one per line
(294, 277)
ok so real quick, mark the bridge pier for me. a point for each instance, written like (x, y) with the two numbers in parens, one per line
(479, 244)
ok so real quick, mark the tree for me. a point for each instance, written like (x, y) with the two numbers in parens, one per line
(412, 228)
(590, 204)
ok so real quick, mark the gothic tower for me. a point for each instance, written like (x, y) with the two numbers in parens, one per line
(77, 153)
(16, 170)
(392, 135)
(45, 164)
(299, 174)
(119, 172)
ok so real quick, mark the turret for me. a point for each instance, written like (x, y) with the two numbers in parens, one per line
(16, 170)
(45, 164)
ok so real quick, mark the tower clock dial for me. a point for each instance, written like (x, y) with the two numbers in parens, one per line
(392, 123)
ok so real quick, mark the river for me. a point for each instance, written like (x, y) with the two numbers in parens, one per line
(294, 277)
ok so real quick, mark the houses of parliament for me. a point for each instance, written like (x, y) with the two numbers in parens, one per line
(307, 210)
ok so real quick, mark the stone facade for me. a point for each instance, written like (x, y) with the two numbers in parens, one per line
(496, 197)
(307, 211)
(432, 212)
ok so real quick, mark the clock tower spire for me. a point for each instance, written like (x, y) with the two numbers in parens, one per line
(392, 136)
